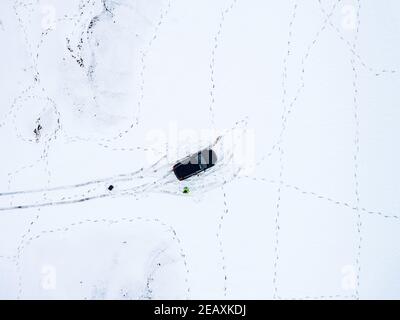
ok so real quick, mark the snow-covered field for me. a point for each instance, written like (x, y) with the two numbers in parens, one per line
(299, 99)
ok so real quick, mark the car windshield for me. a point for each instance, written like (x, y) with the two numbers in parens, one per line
(202, 161)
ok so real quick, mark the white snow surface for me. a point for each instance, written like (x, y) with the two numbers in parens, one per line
(299, 99)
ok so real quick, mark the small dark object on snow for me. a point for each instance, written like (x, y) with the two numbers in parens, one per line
(37, 132)
(110, 187)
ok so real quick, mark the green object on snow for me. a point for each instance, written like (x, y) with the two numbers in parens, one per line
(186, 190)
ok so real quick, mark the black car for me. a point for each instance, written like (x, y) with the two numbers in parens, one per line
(195, 164)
